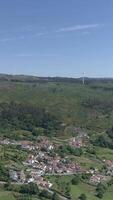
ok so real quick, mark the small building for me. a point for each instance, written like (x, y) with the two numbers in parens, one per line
(98, 178)
(13, 175)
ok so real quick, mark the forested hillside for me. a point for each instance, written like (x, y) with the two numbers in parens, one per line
(90, 106)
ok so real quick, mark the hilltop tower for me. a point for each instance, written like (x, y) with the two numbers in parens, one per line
(83, 78)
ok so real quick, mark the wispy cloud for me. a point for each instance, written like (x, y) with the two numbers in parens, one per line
(40, 34)
(35, 55)
(86, 33)
(84, 29)
(47, 55)
(25, 29)
(9, 39)
(24, 55)
(79, 27)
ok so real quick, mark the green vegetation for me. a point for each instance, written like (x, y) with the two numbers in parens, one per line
(66, 149)
(82, 197)
(82, 188)
(4, 175)
(5, 195)
(15, 116)
(76, 180)
(100, 190)
(55, 107)
(89, 106)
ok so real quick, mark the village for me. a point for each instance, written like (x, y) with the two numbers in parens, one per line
(43, 160)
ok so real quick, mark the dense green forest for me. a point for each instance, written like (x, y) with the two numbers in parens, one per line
(32, 106)
(14, 116)
(48, 103)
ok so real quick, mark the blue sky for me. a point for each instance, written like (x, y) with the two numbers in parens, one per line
(56, 37)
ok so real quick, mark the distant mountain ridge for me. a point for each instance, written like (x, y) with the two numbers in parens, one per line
(31, 78)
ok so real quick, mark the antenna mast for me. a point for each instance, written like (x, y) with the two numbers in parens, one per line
(83, 79)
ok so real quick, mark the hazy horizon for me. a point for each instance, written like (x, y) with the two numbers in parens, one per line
(34, 75)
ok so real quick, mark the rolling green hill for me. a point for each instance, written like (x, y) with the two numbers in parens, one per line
(89, 106)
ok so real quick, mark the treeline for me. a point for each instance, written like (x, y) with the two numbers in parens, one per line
(102, 105)
(4, 173)
(66, 149)
(16, 116)
(34, 79)
(30, 191)
(105, 140)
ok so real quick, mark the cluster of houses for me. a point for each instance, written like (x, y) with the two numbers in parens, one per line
(43, 160)
(48, 164)
(79, 141)
(95, 176)
(76, 142)
(42, 144)
(25, 177)
(98, 178)
(17, 176)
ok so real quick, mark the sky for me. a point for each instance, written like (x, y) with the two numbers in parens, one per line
(56, 37)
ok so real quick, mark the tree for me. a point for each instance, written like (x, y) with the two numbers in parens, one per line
(55, 196)
(68, 189)
(74, 151)
(100, 194)
(37, 132)
(101, 188)
(7, 186)
(31, 188)
(4, 174)
(86, 176)
(103, 141)
(82, 197)
(76, 180)
(110, 132)
(24, 197)
(18, 116)
(45, 194)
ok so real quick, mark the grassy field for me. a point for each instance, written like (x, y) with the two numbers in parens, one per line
(4, 195)
(104, 153)
(77, 190)
(90, 192)
(87, 162)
